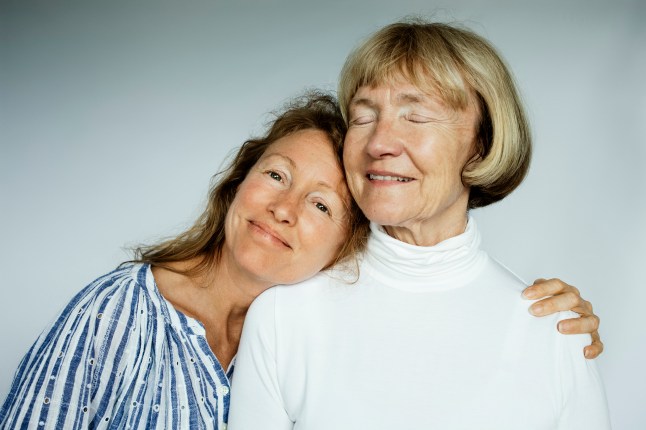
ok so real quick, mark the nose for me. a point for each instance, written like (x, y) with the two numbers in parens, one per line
(285, 208)
(384, 140)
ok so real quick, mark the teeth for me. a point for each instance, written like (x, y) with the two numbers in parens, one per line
(389, 178)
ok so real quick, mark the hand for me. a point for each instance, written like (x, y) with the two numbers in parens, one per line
(563, 297)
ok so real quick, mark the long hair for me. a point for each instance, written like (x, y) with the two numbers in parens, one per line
(204, 240)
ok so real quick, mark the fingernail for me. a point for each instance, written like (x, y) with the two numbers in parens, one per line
(536, 309)
(529, 293)
(587, 353)
(561, 327)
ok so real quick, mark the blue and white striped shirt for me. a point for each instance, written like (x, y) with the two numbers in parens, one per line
(119, 356)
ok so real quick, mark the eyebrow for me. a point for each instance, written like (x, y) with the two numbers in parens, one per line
(410, 98)
(362, 102)
(285, 157)
(400, 99)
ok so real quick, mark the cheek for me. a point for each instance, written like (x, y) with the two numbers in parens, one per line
(325, 240)
(244, 202)
(351, 150)
(249, 193)
(446, 156)
(353, 171)
(232, 224)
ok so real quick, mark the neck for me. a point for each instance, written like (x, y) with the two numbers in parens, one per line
(431, 231)
(218, 298)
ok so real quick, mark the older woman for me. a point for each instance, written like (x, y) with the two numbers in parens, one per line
(434, 333)
(151, 344)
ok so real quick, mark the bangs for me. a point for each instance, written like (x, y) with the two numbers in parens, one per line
(458, 68)
(427, 62)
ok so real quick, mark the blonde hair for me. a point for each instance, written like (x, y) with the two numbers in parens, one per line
(205, 239)
(460, 67)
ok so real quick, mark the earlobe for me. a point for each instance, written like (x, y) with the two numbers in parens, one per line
(472, 163)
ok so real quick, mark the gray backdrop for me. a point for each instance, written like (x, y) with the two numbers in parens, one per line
(114, 115)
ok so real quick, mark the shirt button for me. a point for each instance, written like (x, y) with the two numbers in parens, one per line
(222, 391)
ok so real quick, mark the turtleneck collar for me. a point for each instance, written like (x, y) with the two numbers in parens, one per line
(449, 264)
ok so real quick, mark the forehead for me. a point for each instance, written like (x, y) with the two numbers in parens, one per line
(311, 153)
(404, 90)
(303, 144)
(399, 91)
(445, 86)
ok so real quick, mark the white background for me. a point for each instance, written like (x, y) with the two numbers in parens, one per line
(114, 115)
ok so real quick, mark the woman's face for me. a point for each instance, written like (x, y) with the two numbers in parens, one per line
(289, 217)
(404, 154)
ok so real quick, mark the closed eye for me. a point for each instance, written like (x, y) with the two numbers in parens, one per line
(418, 119)
(362, 120)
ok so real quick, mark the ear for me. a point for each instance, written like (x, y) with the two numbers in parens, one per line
(474, 160)
(473, 163)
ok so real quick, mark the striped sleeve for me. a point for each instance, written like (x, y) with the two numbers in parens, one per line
(78, 367)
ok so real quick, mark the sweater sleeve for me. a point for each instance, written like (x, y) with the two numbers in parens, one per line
(78, 363)
(256, 400)
(584, 405)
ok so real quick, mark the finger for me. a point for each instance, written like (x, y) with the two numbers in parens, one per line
(585, 308)
(562, 302)
(594, 350)
(547, 287)
(534, 291)
(584, 324)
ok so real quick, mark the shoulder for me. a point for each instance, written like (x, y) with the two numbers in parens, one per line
(499, 288)
(283, 305)
(110, 308)
(542, 333)
(509, 283)
(262, 307)
(503, 276)
(322, 290)
(125, 289)
(106, 322)
(125, 278)
(90, 340)
(286, 297)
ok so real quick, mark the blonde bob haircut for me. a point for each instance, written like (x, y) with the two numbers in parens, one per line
(461, 68)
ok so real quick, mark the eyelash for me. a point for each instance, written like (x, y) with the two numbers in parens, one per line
(325, 209)
(362, 120)
(416, 119)
(274, 175)
(279, 178)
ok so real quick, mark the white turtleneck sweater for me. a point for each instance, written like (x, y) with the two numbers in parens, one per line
(427, 338)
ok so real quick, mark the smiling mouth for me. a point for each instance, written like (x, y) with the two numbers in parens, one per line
(389, 178)
(269, 233)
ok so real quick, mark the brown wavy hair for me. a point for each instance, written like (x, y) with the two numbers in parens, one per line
(203, 242)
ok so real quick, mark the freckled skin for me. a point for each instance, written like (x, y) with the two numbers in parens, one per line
(398, 130)
(289, 218)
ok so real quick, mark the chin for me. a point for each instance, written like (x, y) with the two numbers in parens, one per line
(385, 220)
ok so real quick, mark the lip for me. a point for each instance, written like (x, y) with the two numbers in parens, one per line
(387, 173)
(268, 233)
